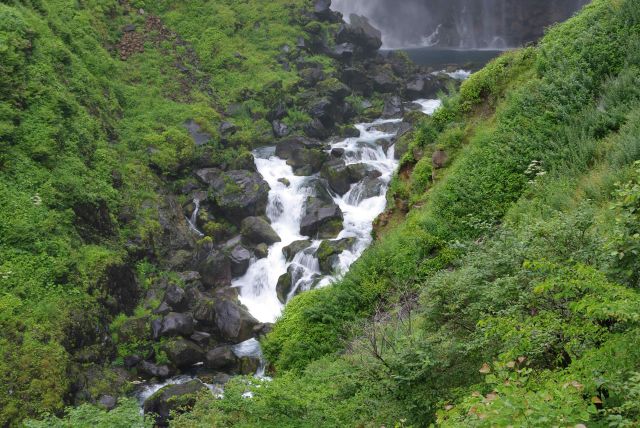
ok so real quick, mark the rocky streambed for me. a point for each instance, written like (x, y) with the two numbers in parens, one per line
(304, 215)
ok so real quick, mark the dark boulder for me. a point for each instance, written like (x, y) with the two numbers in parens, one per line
(221, 358)
(294, 248)
(175, 298)
(329, 251)
(183, 353)
(283, 287)
(238, 193)
(321, 219)
(384, 80)
(311, 76)
(360, 33)
(257, 230)
(337, 175)
(177, 324)
(301, 152)
(337, 152)
(315, 129)
(172, 398)
(154, 370)
(342, 51)
(358, 79)
(240, 258)
(233, 320)
(205, 312)
(215, 269)
(201, 338)
(324, 110)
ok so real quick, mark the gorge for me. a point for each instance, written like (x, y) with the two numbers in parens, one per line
(310, 213)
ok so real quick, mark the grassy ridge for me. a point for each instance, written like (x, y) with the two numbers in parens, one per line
(509, 295)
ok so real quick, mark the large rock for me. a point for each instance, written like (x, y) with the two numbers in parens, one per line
(324, 110)
(358, 80)
(329, 252)
(321, 219)
(302, 152)
(175, 298)
(294, 248)
(384, 80)
(280, 129)
(233, 320)
(221, 358)
(199, 136)
(360, 33)
(153, 370)
(171, 398)
(422, 86)
(283, 287)
(337, 175)
(183, 353)
(393, 108)
(238, 194)
(215, 269)
(257, 230)
(240, 258)
(176, 324)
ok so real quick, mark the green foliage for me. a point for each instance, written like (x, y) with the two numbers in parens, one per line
(125, 415)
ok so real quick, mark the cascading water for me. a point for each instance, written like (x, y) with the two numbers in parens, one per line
(460, 24)
(193, 225)
(364, 201)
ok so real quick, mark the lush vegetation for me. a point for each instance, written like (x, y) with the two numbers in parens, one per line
(509, 296)
(91, 132)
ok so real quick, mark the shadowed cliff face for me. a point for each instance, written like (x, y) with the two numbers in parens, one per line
(467, 24)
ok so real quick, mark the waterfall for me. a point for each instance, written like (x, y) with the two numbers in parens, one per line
(460, 24)
(193, 220)
(361, 205)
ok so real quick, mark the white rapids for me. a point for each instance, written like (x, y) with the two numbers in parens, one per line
(286, 201)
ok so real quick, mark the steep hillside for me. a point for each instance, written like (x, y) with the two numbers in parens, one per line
(509, 295)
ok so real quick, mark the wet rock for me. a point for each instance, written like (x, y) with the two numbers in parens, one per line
(153, 370)
(321, 219)
(422, 86)
(175, 298)
(248, 365)
(322, 8)
(337, 175)
(294, 248)
(262, 329)
(350, 132)
(315, 129)
(240, 258)
(183, 353)
(199, 136)
(329, 251)
(323, 109)
(215, 269)
(233, 320)
(300, 152)
(261, 251)
(177, 324)
(284, 181)
(337, 152)
(393, 108)
(369, 188)
(257, 230)
(358, 171)
(172, 398)
(221, 358)
(108, 402)
(360, 33)
(283, 287)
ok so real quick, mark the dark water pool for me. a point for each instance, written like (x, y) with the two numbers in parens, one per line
(443, 58)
